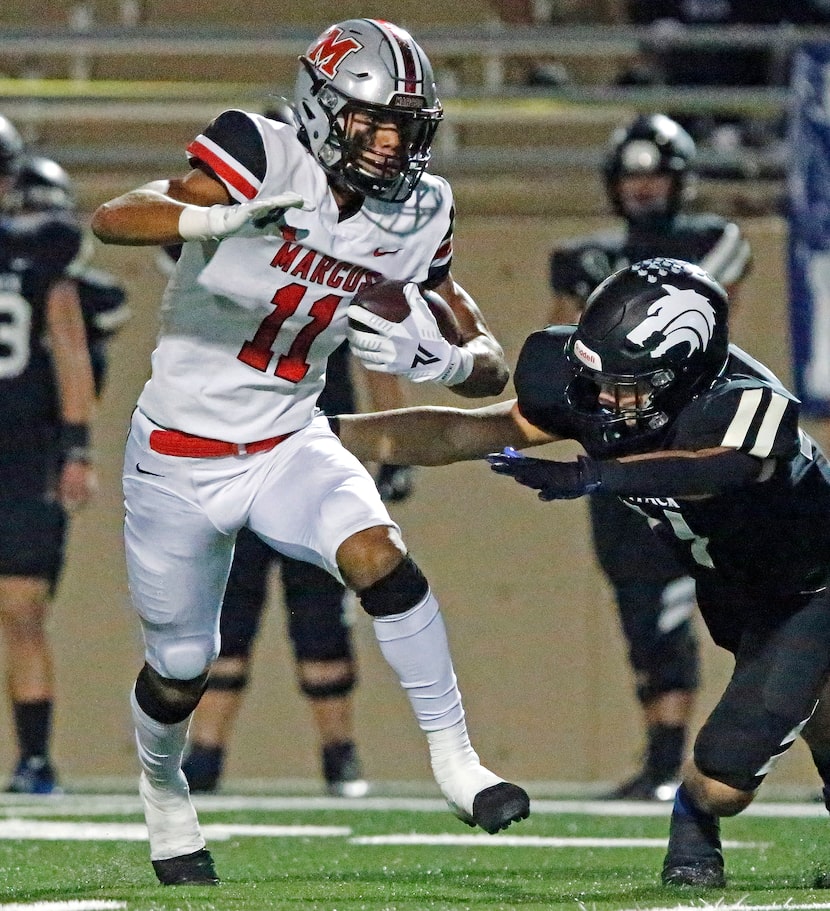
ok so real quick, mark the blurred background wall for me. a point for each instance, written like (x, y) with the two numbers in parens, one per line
(532, 624)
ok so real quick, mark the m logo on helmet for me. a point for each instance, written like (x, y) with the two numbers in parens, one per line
(683, 316)
(330, 51)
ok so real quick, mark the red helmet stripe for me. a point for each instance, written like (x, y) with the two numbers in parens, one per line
(222, 167)
(407, 61)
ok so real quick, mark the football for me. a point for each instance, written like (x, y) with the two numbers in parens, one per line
(387, 300)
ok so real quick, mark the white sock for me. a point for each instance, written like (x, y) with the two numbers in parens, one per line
(456, 766)
(171, 819)
(160, 746)
(415, 646)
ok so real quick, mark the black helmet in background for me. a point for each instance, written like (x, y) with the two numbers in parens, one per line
(651, 145)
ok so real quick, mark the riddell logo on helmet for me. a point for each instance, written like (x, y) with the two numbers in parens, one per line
(589, 358)
(330, 51)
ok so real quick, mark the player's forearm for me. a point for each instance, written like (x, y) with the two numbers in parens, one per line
(141, 217)
(490, 371)
(434, 435)
(70, 355)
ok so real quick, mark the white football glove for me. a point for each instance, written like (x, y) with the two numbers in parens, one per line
(246, 218)
(413, 348)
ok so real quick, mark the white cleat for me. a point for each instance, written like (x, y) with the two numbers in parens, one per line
(489, 802)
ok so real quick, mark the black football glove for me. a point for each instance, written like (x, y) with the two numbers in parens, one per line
(395, 482)
(553, 480)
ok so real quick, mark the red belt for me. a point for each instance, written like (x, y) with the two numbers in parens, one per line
(176, 443)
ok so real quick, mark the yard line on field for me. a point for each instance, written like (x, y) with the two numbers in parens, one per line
(18, 829)
(43, 830)
(17, 805)
(528, 841)
(78, 904)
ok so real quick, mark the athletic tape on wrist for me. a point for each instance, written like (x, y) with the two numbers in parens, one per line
(459, 368)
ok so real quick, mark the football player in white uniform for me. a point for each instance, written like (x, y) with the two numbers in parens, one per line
(281, 228)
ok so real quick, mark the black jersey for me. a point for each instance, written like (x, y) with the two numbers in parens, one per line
(772, 535)
(35, 251)
(707, 240)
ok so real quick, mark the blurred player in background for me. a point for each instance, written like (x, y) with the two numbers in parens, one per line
(649, 178)
(47, 393)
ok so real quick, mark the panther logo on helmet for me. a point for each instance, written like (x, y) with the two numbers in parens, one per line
(683, 316)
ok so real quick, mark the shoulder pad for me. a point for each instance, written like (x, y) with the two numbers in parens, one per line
(541, 378)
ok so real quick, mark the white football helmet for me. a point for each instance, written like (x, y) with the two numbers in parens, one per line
(374, 70)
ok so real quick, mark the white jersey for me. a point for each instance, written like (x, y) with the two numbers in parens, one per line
(247, 324)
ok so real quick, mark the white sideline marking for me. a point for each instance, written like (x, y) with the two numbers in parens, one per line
(78, 904)
(133, 831)
(17, 805)
(42, 830)
(529, 841)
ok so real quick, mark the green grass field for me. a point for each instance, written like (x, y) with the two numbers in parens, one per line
(86, 852)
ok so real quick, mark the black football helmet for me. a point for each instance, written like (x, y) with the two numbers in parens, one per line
(41, 185)
(368, 70)
(653, 144)
(11, 148)
(651, 337)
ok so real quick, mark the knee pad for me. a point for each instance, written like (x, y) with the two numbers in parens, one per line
(166, 700)
(227, 683)
(662, 646)
(331, 689)
(742, 754)
(315, 606)
(185, 659)
(397, 592)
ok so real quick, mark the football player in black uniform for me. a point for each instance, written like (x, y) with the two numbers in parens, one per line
(649, 175)
(42, 185)
(704, 441)
(46, 405)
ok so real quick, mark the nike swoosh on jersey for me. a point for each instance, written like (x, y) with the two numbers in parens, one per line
(378, 251)
(152, 474)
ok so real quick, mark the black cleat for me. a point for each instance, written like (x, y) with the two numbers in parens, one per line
(34, 775)
(705, 874)
(496, 807)
(342, 770)
(194, 869)
(694, 856)
(644, 785)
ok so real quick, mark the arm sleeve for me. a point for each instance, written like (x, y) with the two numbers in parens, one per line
(679, 476)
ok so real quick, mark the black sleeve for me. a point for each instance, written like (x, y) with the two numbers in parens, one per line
(678, 476)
